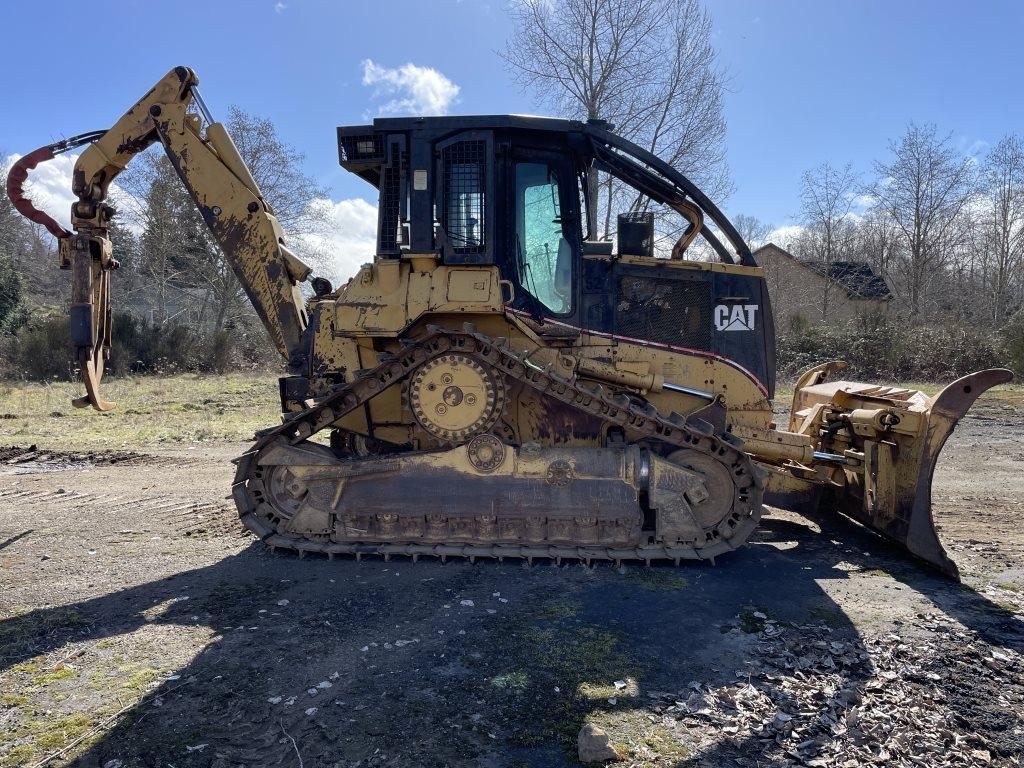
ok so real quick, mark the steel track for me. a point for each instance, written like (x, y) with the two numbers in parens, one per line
(638, 422)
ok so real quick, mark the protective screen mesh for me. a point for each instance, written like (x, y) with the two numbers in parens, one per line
(364, 147)
(667, 311)
(390, 189)
(465, 172)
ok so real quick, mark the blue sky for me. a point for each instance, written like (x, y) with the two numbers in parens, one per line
(810, 81)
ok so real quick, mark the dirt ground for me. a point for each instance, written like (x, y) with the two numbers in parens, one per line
(140, 627)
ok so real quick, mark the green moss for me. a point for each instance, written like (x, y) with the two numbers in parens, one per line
(559, 662)
(635, 737)
(663, 743)
(46, 735)
(97, 681)
(656, 579)
(751, 623)
(54, 675)
(13, 699)
(1010, 586)
(141, 679)
(51, 735)
(517, 680)
(559, 609)
(582, 651)
(19, 755)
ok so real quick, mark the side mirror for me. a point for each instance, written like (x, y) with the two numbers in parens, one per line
(636, 234)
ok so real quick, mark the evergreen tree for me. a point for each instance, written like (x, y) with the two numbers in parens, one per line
(12, 242)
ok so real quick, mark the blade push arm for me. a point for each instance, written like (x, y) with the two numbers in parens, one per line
(228, 199)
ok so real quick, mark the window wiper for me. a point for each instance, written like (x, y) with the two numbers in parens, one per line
(526, 277)
(520, 258)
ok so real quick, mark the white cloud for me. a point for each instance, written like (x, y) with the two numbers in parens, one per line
(974, 148)
(862, 202)
(279, 7)
(349, 243)
(412, 89)
(49, 186)
(785, 235)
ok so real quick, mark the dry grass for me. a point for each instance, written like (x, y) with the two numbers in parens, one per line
(150, 410)
(189, 408)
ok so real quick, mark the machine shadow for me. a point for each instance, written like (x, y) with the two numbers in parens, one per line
(992, 622)
(441, 683)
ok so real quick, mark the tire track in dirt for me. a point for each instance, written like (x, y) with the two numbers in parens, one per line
(187, 515)
(32, 457)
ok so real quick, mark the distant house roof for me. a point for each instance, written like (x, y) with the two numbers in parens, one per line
(856, 277)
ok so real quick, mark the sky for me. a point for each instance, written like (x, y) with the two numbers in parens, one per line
(808, 81)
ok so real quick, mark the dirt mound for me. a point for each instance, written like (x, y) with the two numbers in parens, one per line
(32, 455)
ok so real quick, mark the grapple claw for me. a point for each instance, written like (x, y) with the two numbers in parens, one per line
(91, 378)
(90, 260)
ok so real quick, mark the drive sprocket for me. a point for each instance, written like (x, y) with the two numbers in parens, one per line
(455, 397)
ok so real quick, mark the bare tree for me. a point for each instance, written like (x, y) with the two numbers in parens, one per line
(29, 250)
(277, 168)
(180, 265)
(14, 230)
(877, 242)
(1003, 186)
(753, 231)
(175, 247)
(826, 199)
(959, 290)
(924, 190)
(646, 66)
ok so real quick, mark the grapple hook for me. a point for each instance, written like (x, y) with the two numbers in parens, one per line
(18, 175)
(89, 258)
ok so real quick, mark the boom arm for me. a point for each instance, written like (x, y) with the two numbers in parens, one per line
(227, 196)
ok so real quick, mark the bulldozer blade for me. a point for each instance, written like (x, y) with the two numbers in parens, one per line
(944, 411)
(907, 517)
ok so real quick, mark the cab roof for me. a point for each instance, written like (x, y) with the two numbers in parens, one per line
(476, 122)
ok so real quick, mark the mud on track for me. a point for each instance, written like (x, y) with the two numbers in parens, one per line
(135, 614)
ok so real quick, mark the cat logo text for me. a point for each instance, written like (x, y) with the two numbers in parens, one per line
(735, 317)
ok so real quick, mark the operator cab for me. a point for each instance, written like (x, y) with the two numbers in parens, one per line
(595, 234)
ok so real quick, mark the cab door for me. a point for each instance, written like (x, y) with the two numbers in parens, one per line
(545, 235)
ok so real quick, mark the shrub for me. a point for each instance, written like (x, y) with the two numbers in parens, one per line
(12, 310)
(1012, 336)
(891, 352)
(138, 346)
(41, 349)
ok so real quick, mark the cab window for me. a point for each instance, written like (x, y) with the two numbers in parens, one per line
(543, 253)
